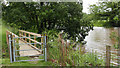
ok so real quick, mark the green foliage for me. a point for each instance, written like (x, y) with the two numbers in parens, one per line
(51, 34)
(5, 52)
(38, 17)
(4, 44)
(98, 23)
(115, 37)
(74, 57)
(108, 11)
(86, 59)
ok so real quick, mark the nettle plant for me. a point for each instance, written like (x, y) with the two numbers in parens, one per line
(116, 38)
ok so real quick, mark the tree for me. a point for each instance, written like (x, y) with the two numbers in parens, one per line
(108, 11)
(47, 16)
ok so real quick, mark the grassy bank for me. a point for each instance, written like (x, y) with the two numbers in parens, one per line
(4, 44)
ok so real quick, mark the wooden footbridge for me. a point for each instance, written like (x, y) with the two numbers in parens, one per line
(27, 44)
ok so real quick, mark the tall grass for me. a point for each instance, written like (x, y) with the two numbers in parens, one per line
(4, 44)
(5, 52)
(66, 55)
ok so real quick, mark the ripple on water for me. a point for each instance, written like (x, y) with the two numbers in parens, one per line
(100, 37)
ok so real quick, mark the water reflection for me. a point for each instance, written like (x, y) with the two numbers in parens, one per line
(100, 37)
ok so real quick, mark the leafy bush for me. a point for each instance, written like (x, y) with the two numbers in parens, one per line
(115, 37)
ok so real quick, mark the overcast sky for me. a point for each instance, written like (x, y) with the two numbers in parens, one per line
(86, 4)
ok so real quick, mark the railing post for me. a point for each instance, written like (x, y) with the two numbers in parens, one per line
(60, 47)
(42, 41)
(25, 38)
(35, 40)
(29, 39)
(108, 56)
(10, 48)
(45, 47)
(22, 36)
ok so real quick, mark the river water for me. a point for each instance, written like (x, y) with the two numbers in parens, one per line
(100, 37)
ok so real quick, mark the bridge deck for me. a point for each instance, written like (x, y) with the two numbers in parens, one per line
(27, 47)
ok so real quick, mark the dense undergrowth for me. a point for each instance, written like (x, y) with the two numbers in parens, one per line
(116, 38)
(68, 54)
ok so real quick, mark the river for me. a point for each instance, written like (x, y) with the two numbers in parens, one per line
(100, 37)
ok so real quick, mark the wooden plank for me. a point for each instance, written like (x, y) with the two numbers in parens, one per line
(12, 33)
(34, 41)
(30, 33)
(115, 53)
(108, 56)
(27, 47)
(29, 39)
(33, 47)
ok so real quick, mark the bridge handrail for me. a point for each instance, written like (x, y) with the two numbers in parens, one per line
(31, 33)
(23, 33)
(10, 33)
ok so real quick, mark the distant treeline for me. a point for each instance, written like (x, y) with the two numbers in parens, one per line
(106, 13)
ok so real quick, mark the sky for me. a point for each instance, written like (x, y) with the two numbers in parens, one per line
(86, 4)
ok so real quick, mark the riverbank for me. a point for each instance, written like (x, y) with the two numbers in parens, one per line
(73, 57)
